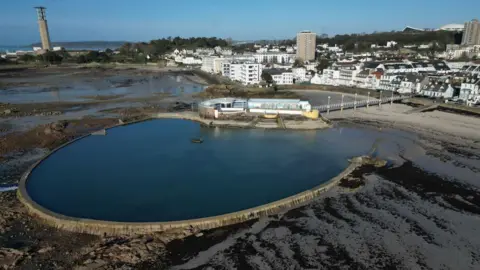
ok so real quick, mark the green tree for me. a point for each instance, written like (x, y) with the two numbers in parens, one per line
(267, 77)
(464, 57)
(50, 58)
(27, 58)
(298, 63)
(323, 64)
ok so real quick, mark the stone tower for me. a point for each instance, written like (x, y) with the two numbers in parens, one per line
(43, 27)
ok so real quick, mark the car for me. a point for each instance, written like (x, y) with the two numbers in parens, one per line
(454, 101)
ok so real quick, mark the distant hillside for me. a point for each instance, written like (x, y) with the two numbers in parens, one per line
(85, 44)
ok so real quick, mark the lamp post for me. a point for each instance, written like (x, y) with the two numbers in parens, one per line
(380, 101)
(391, 101)
(341, 104)
(328, 105)
(355, 102)
(368, 99)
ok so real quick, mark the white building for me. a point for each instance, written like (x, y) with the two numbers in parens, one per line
(213, 64)
(470, 88)
(299, 74)
(279, 58)
(391, 44)
(250, 73)
(191, 61)
(437, 90)
(328, 77)
(232, 71)
(281, 77)
(347, 76)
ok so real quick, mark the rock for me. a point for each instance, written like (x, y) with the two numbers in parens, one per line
(45, 250)
(9, 257)
(59, 126)
(199, 234)
(47, 131)
(7, 112)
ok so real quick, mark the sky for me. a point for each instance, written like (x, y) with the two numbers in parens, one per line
(144, 20)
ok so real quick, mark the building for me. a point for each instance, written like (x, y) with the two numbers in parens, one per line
(306, 45)
(471, 34)
(470, 88)
(43, 27)
(300, 74)
(453, 27)
(232, 71)
(280, 77)
(213, 64)
(274, 57)
(215, 107)
(250, 73)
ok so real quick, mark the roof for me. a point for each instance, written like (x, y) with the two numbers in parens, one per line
(274, 71)
(371, 65)
(453, 27)
(273, 100)
(436, 87)
(412, 29)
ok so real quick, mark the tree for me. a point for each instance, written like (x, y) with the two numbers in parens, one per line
(298, 63)
(50, 57)
(323, 64)
(27, 58)
(267, 77)
(464, 57)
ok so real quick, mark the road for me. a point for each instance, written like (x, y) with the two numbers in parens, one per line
(318, 97)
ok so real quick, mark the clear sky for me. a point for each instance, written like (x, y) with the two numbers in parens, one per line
(143, 20)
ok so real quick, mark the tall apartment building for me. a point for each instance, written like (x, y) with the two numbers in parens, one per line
(471, 33)
(43, 27)
(306, 45)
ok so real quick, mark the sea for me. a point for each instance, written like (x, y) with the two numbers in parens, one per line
(4, 48)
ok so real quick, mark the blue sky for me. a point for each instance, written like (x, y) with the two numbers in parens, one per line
(143, 20)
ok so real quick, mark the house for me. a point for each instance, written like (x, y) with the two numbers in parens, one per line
(412, 83)
(328, 77)
(280, 77)
(347, 76)
(361, 78)
(395, 67)
(470, 88)
(300, 74)
(438, 89)
(385, 83)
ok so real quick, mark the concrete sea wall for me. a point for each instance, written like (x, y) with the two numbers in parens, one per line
(100, 227)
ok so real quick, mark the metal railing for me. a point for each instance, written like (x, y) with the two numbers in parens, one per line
(358, 103)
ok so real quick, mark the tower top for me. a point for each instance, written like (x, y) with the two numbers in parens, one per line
(41, 13)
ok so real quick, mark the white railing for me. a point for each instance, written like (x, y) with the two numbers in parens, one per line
(358, 103)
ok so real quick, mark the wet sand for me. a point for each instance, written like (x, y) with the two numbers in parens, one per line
(422, 212)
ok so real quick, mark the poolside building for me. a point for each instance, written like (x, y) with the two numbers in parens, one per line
(214, 107)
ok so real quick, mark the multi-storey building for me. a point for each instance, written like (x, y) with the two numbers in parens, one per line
(250, 73)
(471, 33)
(306, 45)
(274, 57)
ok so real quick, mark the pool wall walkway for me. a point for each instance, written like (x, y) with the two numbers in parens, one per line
(307, 124)
(99, 227)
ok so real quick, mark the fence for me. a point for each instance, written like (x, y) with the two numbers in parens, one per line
(357, 104)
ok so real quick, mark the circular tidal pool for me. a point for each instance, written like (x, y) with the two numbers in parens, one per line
(151, 171)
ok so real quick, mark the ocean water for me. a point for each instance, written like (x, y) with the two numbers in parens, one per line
(151, 171)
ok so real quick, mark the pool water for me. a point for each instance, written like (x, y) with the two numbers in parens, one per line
(151, 171)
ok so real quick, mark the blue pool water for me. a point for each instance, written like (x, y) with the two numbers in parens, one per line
(151, 171)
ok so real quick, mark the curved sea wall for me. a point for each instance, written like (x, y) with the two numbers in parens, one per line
(100, 227)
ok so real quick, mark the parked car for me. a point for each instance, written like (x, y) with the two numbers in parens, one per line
(454, 101)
